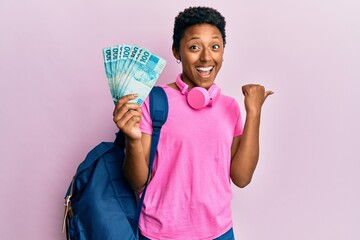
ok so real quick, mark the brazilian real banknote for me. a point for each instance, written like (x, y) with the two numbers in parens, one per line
(131, 69)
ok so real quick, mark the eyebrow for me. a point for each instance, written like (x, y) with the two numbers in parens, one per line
(195, 38)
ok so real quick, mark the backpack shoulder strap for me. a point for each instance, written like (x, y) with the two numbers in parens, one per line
(90, 158)
(159, 109)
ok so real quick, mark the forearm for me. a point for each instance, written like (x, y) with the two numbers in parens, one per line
(247, 154)
(135, 165)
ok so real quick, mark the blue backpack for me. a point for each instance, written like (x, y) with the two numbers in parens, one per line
(99, 203)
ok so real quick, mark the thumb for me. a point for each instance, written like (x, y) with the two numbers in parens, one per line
(268, 93)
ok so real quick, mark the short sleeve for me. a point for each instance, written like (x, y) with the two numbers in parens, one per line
(238, 129)
(146, 122)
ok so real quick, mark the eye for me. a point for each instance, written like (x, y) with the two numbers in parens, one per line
(194, 47)
(216, 46)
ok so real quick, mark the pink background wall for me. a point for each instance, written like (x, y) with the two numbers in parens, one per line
(55, 105)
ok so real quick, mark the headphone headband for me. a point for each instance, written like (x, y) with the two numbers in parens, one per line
(181, 85)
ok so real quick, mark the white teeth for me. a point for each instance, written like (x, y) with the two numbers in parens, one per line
(205, 69)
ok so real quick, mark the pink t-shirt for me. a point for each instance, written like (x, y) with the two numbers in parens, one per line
(189, 194)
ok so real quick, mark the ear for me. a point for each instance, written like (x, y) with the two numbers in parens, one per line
(176, 54)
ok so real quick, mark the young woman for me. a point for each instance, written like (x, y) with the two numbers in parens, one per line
(202, 145)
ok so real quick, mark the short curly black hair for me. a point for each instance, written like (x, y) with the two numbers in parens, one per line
(197, 15)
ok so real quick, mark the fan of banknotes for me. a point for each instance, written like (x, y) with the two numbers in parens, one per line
(131, 69)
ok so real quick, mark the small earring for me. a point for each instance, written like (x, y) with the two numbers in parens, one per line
(178, 61)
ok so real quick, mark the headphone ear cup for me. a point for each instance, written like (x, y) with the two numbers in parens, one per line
(214, 93)
(198, 98)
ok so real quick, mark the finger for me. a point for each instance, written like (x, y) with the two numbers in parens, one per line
(122, 109)
(268, 93)
(127, 111)
(128, 124)
(124, 100)
(131, 117)
(246, 89)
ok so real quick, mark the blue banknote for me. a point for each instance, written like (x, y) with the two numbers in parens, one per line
(125, 52)
(127, 68)
(108, 71)
(143, 75)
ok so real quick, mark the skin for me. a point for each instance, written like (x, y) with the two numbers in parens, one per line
(201, 54)
(201, 47)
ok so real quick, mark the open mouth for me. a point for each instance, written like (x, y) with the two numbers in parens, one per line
(205, 71)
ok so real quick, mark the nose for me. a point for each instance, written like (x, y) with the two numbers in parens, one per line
(205, 55)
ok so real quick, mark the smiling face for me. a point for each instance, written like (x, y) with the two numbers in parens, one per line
(201, 53)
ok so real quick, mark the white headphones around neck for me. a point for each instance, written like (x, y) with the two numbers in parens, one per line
(198, 97)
